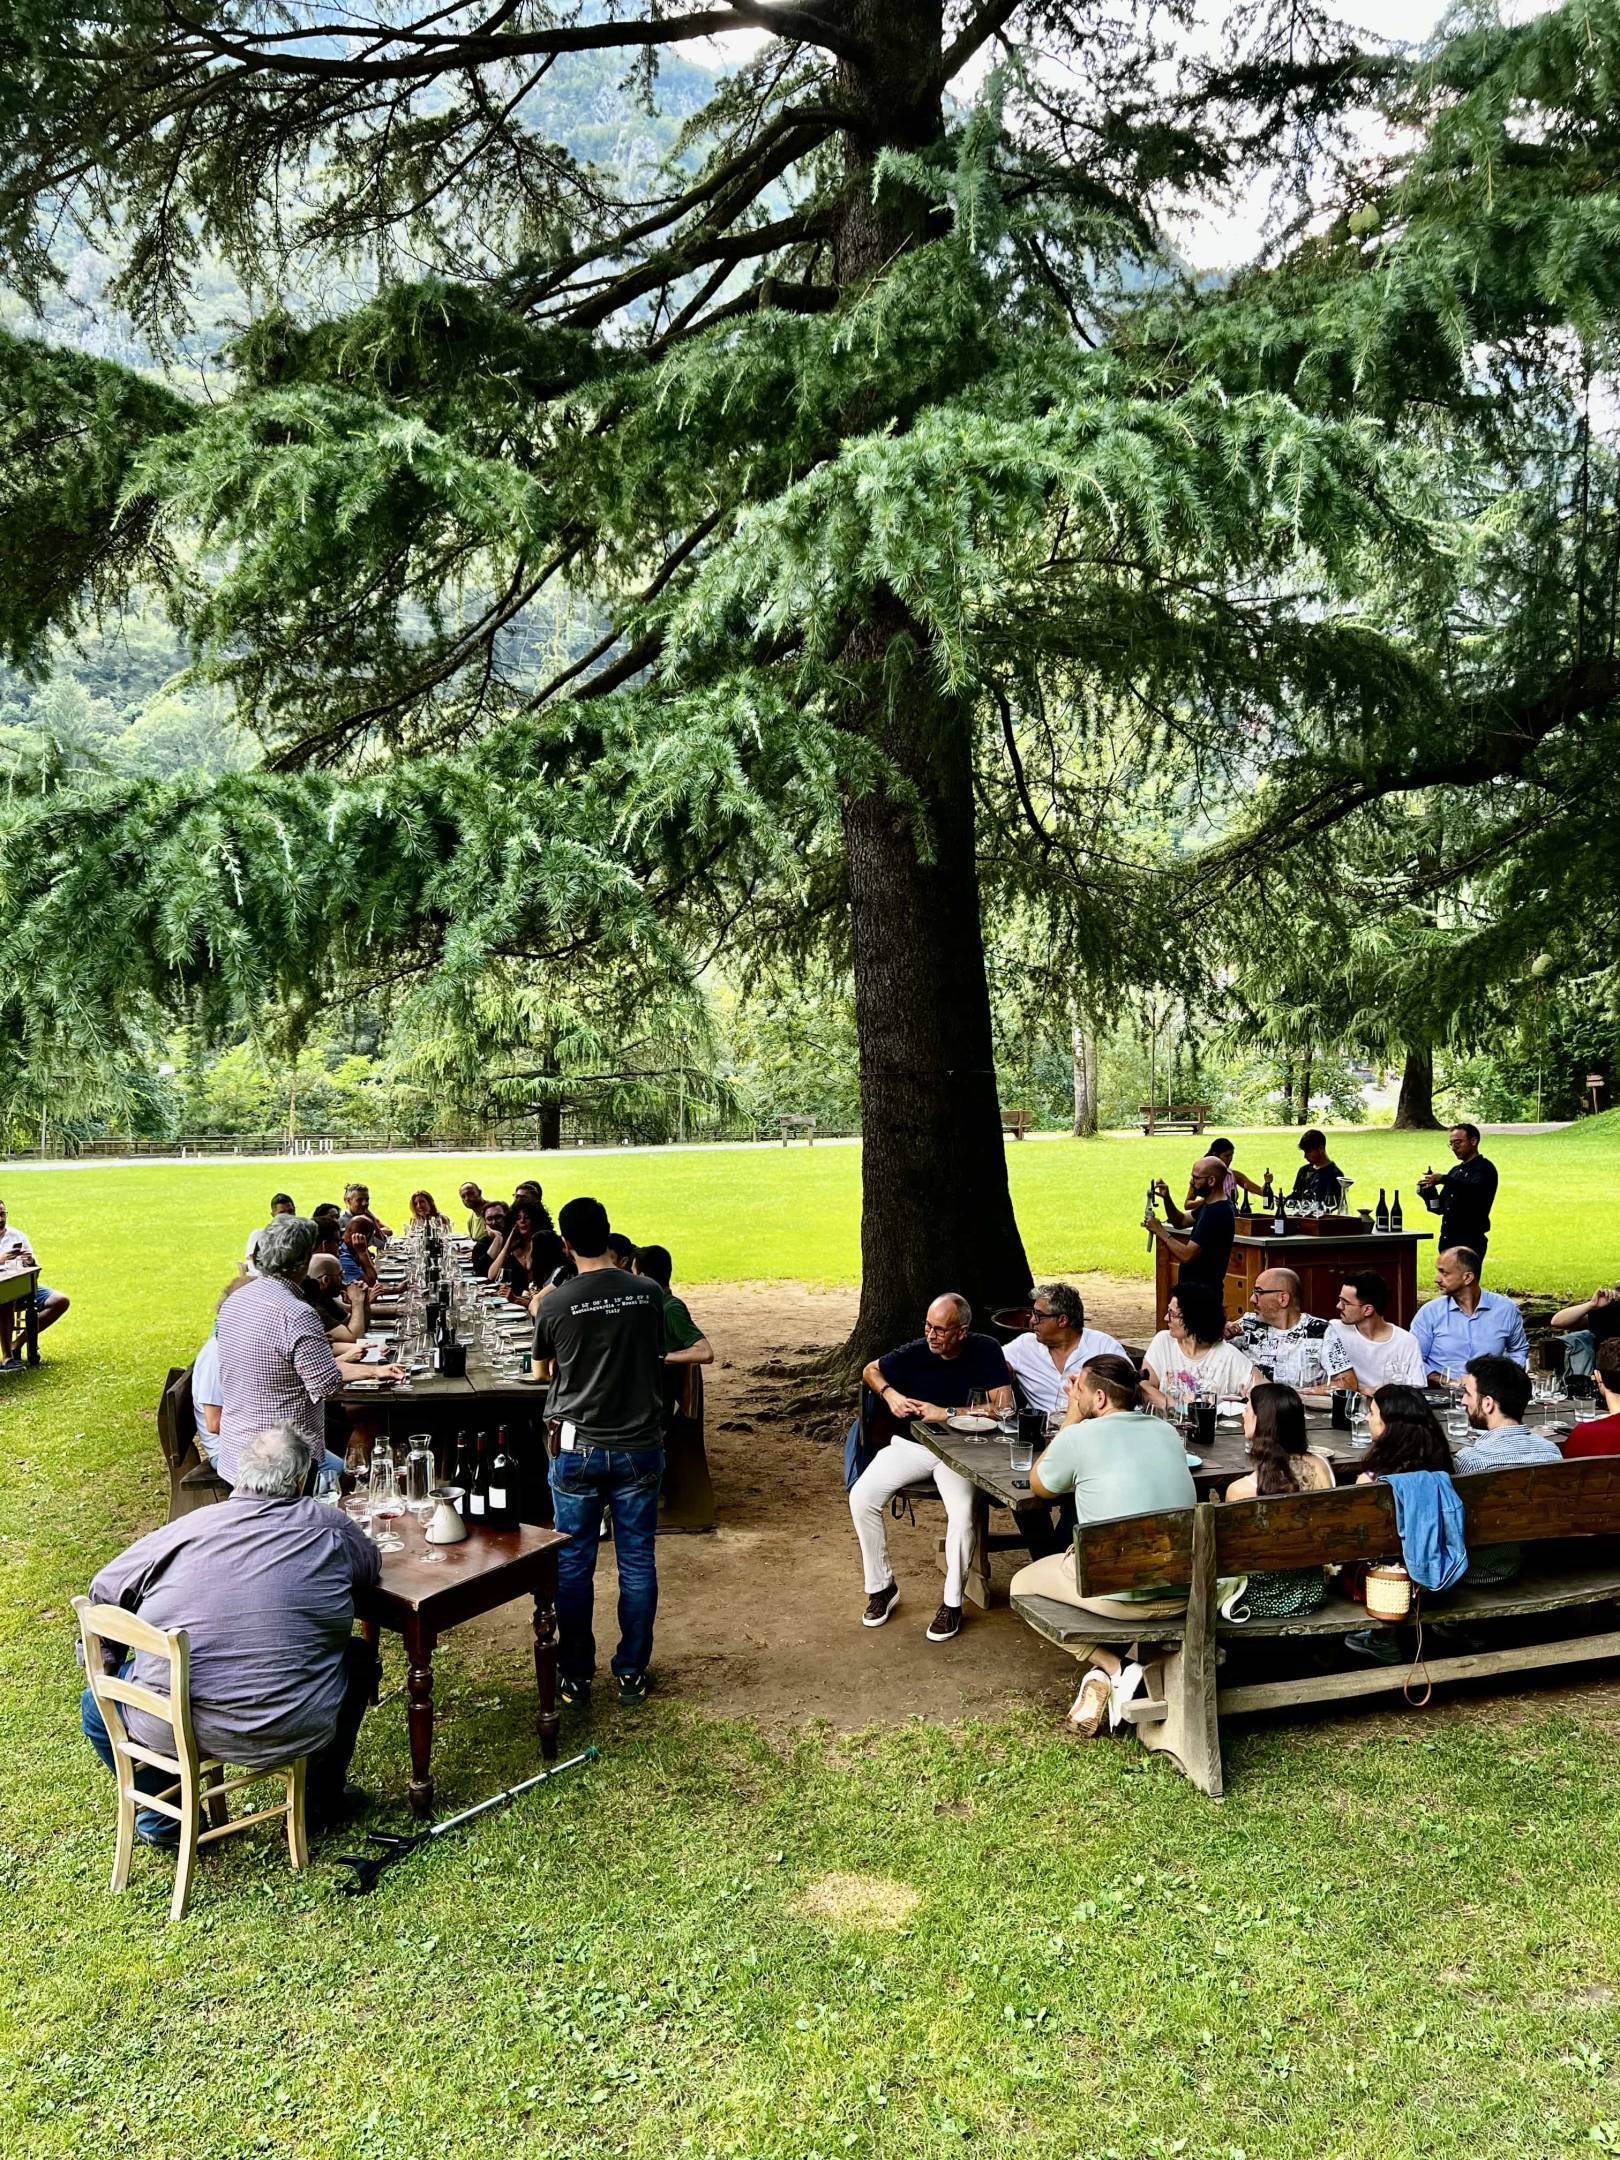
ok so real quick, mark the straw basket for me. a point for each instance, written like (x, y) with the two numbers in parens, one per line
(1389, 1593)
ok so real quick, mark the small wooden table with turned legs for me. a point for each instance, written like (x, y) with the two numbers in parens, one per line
(420, 1596)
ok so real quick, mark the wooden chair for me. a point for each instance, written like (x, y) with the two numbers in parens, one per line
(199, 1781)
(193, 1480)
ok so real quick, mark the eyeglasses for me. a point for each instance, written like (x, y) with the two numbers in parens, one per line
(1042, 1312)
(955, 1328)
(1277, 1290)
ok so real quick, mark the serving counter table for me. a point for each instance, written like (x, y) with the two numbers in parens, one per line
(1323, 1264)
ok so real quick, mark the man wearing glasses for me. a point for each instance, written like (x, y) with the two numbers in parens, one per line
(1280, 1335)
(1058, 1344)
(929, 1378)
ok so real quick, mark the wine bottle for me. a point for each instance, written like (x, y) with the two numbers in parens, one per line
(1381, 1217)
(1151, 1196)
(1396, 1220)
(1279, 1214)
(502, 1486)
(463, 1469)
(1245, 1210)
(478, 1497)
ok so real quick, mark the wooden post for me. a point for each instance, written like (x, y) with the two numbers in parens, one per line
(1189, 1729)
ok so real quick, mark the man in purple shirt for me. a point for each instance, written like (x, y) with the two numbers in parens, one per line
(264, 1585)
(275, 1364)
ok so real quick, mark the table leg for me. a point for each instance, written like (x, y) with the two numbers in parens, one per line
(977, 1584)
(30, 1331)
(419, 1642)
(545, 1666)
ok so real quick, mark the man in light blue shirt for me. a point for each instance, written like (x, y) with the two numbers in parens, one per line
(1466, 1322)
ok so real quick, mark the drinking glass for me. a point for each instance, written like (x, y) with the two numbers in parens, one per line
(1020, 1453)
(419, 1476)
(1360, 1424)
(386, 1505)
(358, 1465)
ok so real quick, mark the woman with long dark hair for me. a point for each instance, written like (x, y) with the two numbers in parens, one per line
(1406, 1435)
(1191, 1353)
(1284, 1462)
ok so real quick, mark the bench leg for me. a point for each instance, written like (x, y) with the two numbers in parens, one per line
(1184, 1682)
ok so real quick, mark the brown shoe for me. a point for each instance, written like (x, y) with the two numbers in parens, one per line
(879, 1606)
(945, 1623)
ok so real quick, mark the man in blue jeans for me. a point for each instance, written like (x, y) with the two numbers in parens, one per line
(604, 1330)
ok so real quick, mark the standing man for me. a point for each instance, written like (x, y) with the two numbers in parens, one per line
(1465, 1321)
(1207, 1245)
(1463, 1197)
(1318, 1177)
(49, 1305)
(1280, 1335)
(1057, 1345)
(603, 1330)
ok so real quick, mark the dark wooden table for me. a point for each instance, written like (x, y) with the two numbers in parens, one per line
(420, 1597)
(18, 1288)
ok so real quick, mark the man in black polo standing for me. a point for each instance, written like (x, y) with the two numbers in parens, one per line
(604, 1332)
(1462, 1197)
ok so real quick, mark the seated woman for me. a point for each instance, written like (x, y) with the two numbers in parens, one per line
(424, 1209)
(1190, 1350)
(532, 1252)
(1406, 1435)
(1284, 1462)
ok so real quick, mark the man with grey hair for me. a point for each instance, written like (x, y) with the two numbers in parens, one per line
(929, 1378)
(275, 1364)
(1058, 1344)
(264, 1585)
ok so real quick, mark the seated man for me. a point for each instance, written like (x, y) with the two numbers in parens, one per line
(622, 1250)
(1318, 1177)
(1056, 1347)
(684, 1341)
(1364, 1350)
(359, 1234)
(1589, 1324)
(1465, 1321)
(497, 1222)
(342, 1315)
(1115, 1461)
(49, 1305)
(1280, 1335)
(1495, 1395)
(472, 1199)
(1600, 1435)
(264, 1585)
(928, 1378)
(280, 1204)
(1207, 1245)
(357, 1201)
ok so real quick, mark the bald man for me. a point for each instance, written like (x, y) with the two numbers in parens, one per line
(1201, 1242)
(1279, 1335)
(926, 1379)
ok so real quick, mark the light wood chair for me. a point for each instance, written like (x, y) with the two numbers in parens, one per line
(199, 1781)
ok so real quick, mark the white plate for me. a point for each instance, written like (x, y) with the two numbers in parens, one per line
(1229, 1406)
(978, 1425)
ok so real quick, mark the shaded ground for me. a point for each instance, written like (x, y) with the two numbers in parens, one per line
(761, 1618)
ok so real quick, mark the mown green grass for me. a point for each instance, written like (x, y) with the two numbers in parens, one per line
(1397, 1936)
(794, 1213)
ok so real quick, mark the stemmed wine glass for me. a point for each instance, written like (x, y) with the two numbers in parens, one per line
(386, 1505)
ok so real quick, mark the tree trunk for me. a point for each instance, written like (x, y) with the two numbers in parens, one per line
(1414, 1110)
(936, 1211)
(549, 1118)
(1304, 1117)
(1083, 1042)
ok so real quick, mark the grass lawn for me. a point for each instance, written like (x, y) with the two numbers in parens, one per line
(1398, 1936)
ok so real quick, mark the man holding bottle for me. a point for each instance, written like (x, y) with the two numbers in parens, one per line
(1463, 1197)
(603, 1330)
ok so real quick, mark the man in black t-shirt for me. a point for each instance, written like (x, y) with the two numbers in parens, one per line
(604, 1330)
(1203, 1244)
(1464, 1196)
(929, 1378)
(1319, 1177)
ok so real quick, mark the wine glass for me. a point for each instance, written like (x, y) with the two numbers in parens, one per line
(978, 1403)
(357, 1463)
(386, 1505)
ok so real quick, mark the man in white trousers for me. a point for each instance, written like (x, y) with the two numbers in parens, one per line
(929, 1378)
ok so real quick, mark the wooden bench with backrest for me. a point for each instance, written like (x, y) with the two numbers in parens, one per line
(1017, 1122)
(1566, 1509)
(1173, 1117)
(193, 1480)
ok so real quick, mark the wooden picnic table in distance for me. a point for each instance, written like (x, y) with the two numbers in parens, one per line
(419, 1597)
(18, 1288)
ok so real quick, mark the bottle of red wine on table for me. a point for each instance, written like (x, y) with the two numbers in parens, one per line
(1396, 1220)
(502, 1492)
(1381, 1219)
(478, 1497)
(463, 1469)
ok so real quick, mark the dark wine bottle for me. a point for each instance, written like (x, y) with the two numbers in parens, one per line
(478, 1497)
(1396, 1220)
(1245, 1210)
(502, 1485)
(1279, 1213)
(1381, 1217)
(463, 1469)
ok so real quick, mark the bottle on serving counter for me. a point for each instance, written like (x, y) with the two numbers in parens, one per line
(1397, 1221)
(463, 1468)
(1381, 1216)
(478, 1493)
(1279, 1214)
(503, 1472)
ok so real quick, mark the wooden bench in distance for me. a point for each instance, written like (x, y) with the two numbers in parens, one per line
(1174, 1117)
(1181, 1711)
(792, 1125)
(1017, 1122)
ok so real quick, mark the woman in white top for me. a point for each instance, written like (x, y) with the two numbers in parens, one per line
(1191, 1349)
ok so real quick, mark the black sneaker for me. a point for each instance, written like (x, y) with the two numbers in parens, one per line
(575, 1693)
(879, 1606)
(342, 1807)
(634, 1688)
(1379, 1644)
(945, 1623)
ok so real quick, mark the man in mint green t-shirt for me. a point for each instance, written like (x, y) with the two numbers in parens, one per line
(1115, 1462)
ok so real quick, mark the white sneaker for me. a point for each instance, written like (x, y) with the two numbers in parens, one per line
(1122, 1691)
